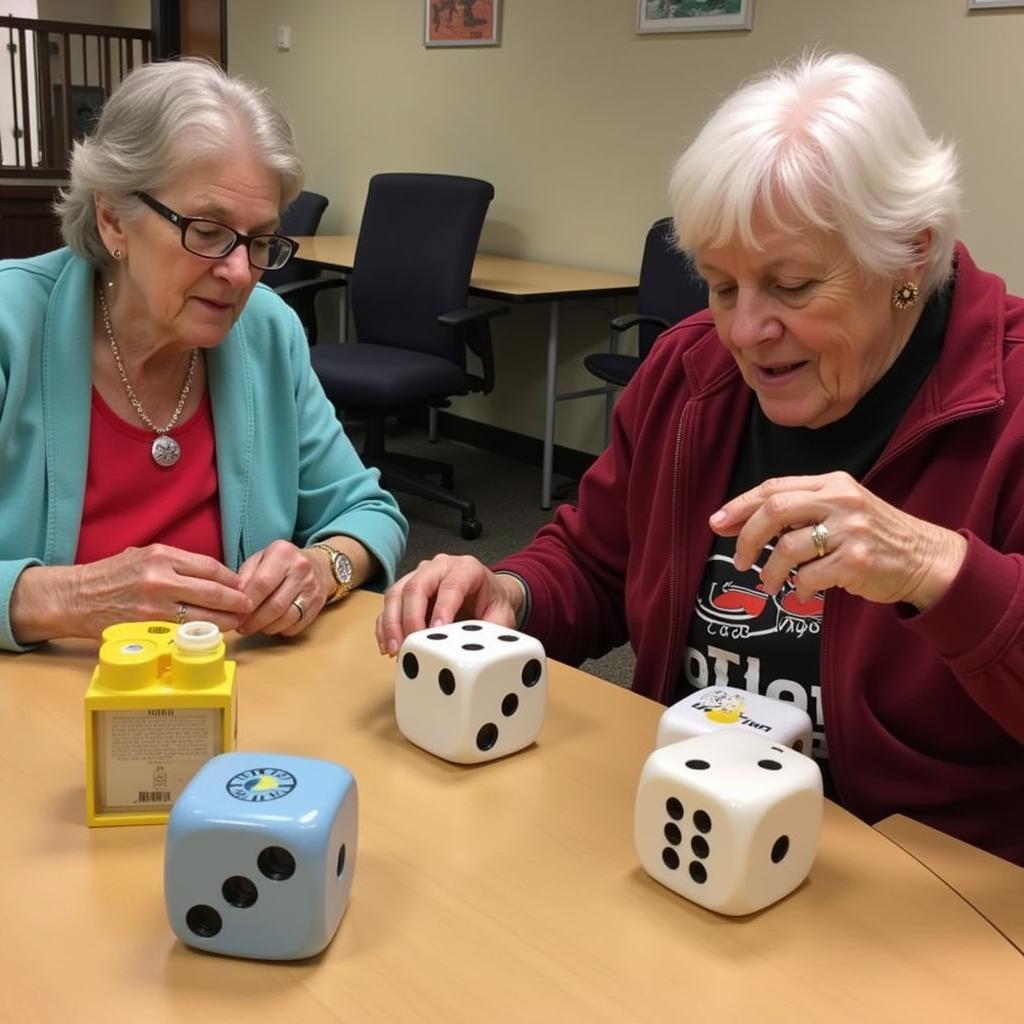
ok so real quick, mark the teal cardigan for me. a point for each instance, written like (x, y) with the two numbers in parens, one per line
(285, 468)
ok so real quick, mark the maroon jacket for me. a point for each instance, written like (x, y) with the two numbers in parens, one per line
(924, 713)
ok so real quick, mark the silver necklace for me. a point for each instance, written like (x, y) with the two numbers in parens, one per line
(165, 451)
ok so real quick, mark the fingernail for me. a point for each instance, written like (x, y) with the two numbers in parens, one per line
(392, 647)
(436, 622)
(718, 518)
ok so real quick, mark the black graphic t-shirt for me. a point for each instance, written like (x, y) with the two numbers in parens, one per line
(739, 635)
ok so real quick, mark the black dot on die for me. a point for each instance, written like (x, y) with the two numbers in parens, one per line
(769, 765)
(510, 705)
(697, 765)
(531, 672)
(702, 821)
(672, 833)
(487, 736)
(203, 921)
(700, 847)
(674, 808)
(472, 647)
(341, 860)
(276, 863)
(670, 858)
(446, 681)
(410, 666)
(437, 636)
(508, 638)
(779, 849)
(472, 628)
(239, 891)
(698, 872)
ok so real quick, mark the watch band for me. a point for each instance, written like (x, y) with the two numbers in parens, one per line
(341, 569)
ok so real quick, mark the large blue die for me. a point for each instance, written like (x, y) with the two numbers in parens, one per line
(260, 854)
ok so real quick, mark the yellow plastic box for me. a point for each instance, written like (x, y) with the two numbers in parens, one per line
(161, 703)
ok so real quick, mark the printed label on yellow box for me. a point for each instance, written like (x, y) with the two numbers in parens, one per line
(150, 755)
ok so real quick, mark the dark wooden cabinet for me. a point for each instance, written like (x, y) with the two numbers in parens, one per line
(28, 226)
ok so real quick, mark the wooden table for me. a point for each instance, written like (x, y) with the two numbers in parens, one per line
(993, 886)
(508, 280)
(505, 892)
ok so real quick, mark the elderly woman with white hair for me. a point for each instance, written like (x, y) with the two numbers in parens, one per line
(166, 451)
(814, 490)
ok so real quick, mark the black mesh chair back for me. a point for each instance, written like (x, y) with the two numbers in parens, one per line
(414, 258)
(669, 287)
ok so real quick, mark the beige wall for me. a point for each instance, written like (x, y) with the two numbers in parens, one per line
(125, 13)
(576, 120)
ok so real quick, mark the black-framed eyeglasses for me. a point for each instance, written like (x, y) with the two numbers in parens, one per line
(213, 240)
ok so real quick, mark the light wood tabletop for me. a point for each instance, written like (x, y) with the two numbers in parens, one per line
(508, 891)
(993, 886)
(509, 280)
(498, 277)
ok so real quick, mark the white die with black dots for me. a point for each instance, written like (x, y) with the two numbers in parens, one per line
(471, 691)
(730, 820)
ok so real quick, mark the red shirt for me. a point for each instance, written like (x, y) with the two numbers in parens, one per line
(130, 501)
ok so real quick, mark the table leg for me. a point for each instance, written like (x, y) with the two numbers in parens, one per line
(550, 390)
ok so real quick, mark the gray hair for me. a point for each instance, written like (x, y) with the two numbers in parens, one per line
(831, 141)
(160, 119)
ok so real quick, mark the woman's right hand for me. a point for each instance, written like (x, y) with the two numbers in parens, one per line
(438, 592)
(138, 584)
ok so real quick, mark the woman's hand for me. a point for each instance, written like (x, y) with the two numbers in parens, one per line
(871, 548)
(288, 587)
(444, 589)
(138, 584)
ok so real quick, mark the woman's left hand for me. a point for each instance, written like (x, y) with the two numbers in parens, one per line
(287, 590)
(871, 548)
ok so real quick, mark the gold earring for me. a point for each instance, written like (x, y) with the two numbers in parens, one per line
(117, 254)
(905, 295)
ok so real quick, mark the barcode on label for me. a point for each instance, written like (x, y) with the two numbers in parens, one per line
(153, 796)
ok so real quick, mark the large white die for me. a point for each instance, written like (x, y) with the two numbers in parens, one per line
(260, 855)
(726, 707)
(471, 691)
(729, 819)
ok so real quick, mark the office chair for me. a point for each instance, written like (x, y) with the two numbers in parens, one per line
(298, 283)
(669, 292)
(409, 289)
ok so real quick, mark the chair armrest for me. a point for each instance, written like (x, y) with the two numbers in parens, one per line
(623, 323)
(472, 314)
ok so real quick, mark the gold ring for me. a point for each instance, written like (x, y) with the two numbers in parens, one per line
(182, 612)
(819, 534)
(299, 605)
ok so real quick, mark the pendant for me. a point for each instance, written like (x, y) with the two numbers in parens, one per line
(165, 451)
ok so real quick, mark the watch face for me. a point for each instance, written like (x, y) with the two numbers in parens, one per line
(342, 568)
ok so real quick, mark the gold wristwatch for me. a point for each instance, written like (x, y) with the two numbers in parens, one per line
(341, 567)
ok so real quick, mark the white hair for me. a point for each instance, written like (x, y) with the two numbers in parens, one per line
(830, 141)
(158, 121)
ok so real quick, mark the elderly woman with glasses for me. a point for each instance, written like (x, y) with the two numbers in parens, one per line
(815, 489)
(165, 450)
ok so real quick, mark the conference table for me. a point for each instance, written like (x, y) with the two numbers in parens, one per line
(508, 891)
(507, 280)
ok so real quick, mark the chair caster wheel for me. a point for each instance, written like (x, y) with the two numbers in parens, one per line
(471, 529)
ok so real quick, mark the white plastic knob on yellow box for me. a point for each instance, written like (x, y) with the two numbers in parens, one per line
(726, 707)
(471, 691)
(161, 703)
(729, 820)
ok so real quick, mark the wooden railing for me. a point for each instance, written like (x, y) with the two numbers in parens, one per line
(53, 82)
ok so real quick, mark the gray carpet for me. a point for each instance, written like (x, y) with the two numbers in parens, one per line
(507, 496)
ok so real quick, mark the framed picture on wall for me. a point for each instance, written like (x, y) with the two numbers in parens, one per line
(461, 22)
(694, 15)
(988, 5)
